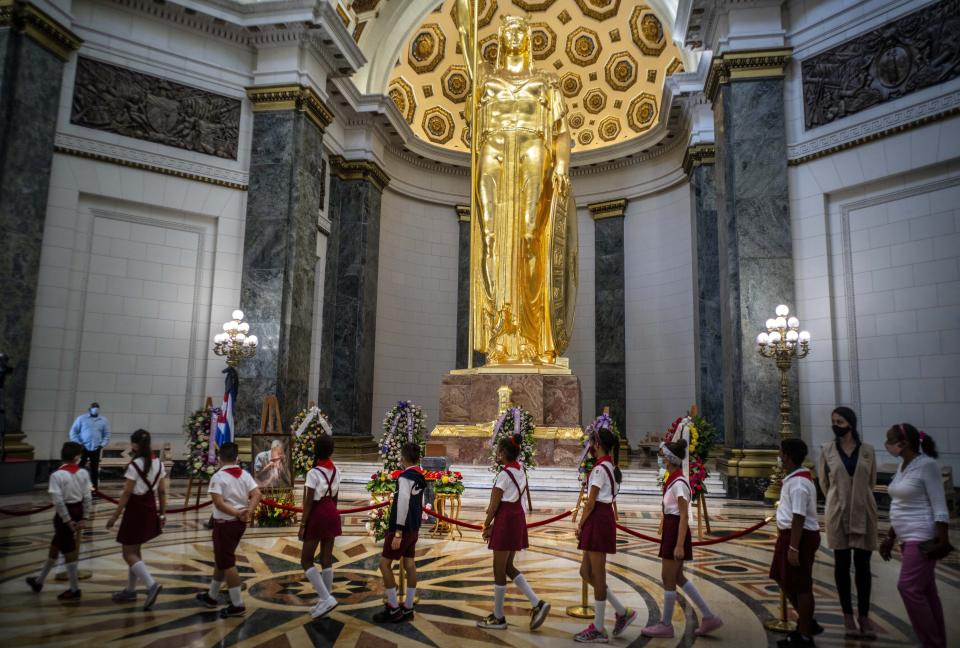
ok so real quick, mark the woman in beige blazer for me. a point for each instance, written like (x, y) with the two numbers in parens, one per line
(847, 471)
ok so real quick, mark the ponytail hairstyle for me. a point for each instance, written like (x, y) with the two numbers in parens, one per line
(510, 446)
(608, 441)
(141, 439)
(918, 440)
(678, 449)
(850, 417)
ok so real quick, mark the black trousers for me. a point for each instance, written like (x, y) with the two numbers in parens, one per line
(841, 573)
(91, 461)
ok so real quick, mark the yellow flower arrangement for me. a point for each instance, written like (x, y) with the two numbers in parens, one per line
(694, 437)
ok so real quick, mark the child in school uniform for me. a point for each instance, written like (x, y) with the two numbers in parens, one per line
(597, 535)
(235, 497)
(142, 521)
(70, 493)
(798, 539)
(400, 542)
(505, 529)
(676, 546)
(321, 525)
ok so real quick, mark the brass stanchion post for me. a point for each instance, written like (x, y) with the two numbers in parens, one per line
(582, 611)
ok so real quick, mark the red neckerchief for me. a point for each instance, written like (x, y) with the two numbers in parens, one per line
(234, 471)
(416, 468)
(671, 477)
(326, 463)
(513, 464)
(799, 472)
(71, 468)
(606, 458)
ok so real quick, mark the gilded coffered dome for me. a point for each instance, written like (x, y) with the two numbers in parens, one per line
(610, 56)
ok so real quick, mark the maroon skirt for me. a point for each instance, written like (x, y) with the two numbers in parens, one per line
(140, 522)
(324, 522)
(671, 532)
(226, 537)
(795, 580)
(509, 530)
(64, 538)
(599, 531)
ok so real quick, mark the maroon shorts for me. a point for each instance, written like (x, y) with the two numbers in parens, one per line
(141, 522)
(64, 538)
(226, 537)
(324, 522)
(509, 530)
(795, 580)
(408, 545)
(599, 531)
(671, 532)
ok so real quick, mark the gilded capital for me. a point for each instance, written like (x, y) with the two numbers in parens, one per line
(698, 155)
(608, 209)
(291, 97)
(463, 213)
(752, 64)
(39, 26)
(367, 170)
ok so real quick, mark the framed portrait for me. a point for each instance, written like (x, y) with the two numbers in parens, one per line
(272, 466)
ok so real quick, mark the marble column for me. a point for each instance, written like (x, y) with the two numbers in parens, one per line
(708, 351)
(755, 255)
(350, 297)
(463, 291)
(610, 335)
(280, 249)
(33, 49)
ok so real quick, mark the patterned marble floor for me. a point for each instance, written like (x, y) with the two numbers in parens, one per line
(455, 586)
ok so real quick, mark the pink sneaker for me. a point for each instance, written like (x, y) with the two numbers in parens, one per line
(708, 625)
(658, 630)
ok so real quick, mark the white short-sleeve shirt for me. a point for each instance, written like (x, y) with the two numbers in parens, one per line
(140, 487)
(234, 490)
(798, 496)
(678, 488)
(505, 484)
(603, 481)
(71, 487)
(917, 500)
(316, 481)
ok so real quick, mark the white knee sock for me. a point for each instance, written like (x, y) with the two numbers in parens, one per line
(615, 602)
(524, 587)
(499, 594)
(411, 594)
(316, 579)
(669, 598)
(73, 574)
(691, 591)
(328, 578)
(140, 570)
(45, 570)
(235, 599)
(214, 590)
(131, 580)
(392, 597)
(599, 609)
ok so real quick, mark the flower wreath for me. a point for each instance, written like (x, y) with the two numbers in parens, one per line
(198, 429)
(307, 427)
(402, 424)
(515, 420)
(587, 461)
(702, 439)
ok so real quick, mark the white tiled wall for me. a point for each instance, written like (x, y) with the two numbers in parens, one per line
(582, 347)
(876, 234)
(659, 310)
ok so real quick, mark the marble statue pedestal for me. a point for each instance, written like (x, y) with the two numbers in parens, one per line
(469, 406)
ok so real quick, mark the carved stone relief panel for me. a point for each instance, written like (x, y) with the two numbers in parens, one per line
(916, 51)
(115, 99)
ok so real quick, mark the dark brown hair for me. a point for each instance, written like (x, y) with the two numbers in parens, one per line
(916, 439)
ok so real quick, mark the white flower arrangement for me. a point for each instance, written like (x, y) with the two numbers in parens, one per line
(403, 423)
(512, 421)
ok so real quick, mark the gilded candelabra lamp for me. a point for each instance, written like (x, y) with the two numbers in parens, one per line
(783, 341)
(235, 343)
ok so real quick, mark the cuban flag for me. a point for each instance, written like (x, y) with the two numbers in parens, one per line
(225, 427)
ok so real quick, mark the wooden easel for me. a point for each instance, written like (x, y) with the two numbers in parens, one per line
(703, 518)
(270, 421)
(186, 500)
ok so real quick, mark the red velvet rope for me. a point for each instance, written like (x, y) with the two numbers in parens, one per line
(296, 509)
(699, 543)
(555, 518)
(40, 509)
(183, 509)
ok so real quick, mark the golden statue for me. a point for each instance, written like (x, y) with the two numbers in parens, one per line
(523, 243)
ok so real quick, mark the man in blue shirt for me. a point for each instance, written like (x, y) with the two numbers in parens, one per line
(92, 431)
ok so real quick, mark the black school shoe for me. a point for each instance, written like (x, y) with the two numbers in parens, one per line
(203, 598)
(796, 640)
(406, 614)
(69, 595)
(389, 614)
(232, 611)
(34, 584)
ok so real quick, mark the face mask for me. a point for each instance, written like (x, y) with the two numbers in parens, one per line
(839, 431)
(94, 411)
(661, 464)
(893, 448)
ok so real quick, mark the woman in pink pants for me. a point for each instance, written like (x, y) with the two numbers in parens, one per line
(918, 514)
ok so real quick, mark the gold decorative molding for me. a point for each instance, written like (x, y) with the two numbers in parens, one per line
(486, 430)
(359, 170)
(149, 167)
(463, 213)
(697, 155)
(39, 26)
(745, 65)
(291, 97)
(608, 209)
(749, 462)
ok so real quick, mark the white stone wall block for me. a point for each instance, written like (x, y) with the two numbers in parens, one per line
(915, 298)
(934, 225)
